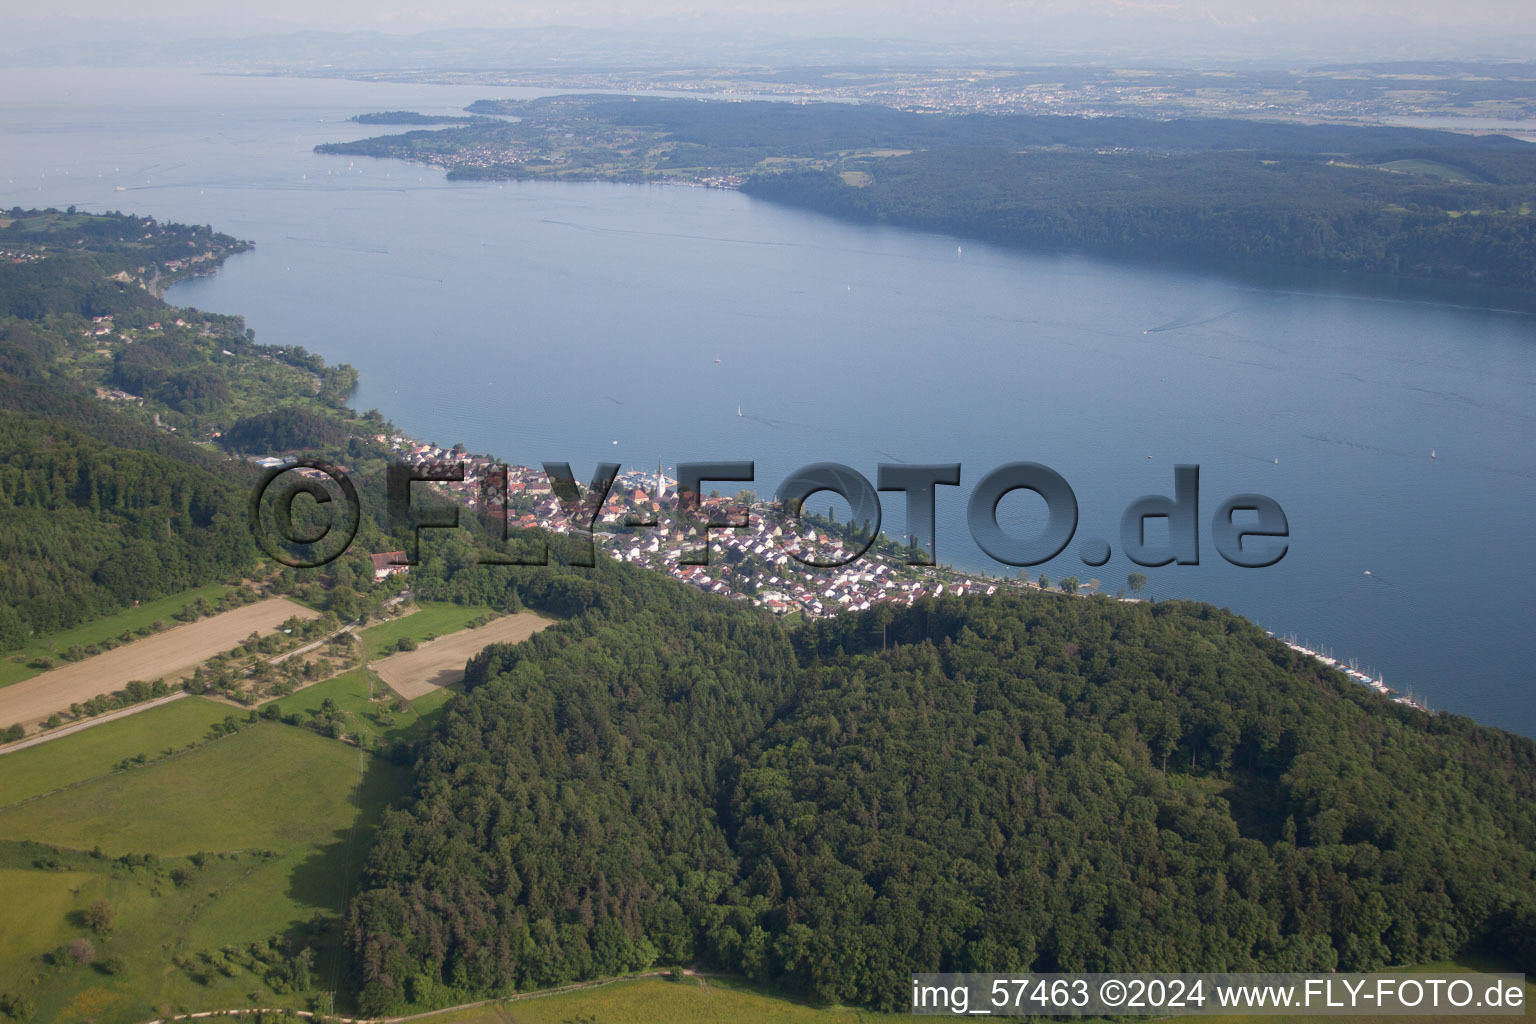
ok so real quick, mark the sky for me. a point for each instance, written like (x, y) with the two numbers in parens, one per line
(1396, 27)
(891, 15)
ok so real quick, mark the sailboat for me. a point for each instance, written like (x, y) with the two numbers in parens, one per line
(738, 410)
(1432, 453)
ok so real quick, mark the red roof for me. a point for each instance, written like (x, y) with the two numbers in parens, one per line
(388, 560)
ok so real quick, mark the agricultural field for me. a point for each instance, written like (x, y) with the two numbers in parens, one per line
(414, 674)
(367, 709)
(157, 656)
(99, 750)
(200, 858)
(430, 620)
(1427, 168)
(14, 668)
(212, 798)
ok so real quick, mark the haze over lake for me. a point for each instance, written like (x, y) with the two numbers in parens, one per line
(546, 321)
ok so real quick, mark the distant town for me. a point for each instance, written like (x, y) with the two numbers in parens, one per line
(1364, 93)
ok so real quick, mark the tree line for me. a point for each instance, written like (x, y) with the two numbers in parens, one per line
(1004, 784)
(1252, 209)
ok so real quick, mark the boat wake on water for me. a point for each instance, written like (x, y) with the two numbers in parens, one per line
(767, 421)
(1367, 584)
(1198, 319)
(1190, 320)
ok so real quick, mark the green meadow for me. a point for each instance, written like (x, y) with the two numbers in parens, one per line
(201, 857)
(14, 667)
(262, 787)
(99, 750)
(1428, 168)
(356, 695)
(430, 620)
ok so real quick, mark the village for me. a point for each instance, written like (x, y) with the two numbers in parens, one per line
(640, 523)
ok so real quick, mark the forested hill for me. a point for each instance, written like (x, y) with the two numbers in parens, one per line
(1423, 213)
(87, 527)
(1014, 783)
(1400, 201)
(60, 261)
(98, 509)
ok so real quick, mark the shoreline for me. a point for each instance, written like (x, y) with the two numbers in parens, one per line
(951, 574)
(1377, 683)
(773, 579)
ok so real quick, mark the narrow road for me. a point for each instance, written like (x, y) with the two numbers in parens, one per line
(133, 709)
(74, 727)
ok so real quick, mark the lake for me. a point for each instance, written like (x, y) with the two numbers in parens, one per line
(545, 321)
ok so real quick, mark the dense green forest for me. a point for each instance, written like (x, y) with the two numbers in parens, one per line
(1015, 783)
(1196, 191)
(87, 527)
(281, 430)
(1215, 208)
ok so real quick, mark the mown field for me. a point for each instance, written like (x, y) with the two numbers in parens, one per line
(202, 858)
(14, 667)
(151, 657)
(261, 788)
(223, 848)
(232, 849)
(415, 674)
(430, 620)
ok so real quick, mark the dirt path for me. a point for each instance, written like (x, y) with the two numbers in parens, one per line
(153, 657)
(86, 723)
(440, 662)
(496, 1004)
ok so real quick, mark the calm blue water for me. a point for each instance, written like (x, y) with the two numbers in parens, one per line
(545, 322)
